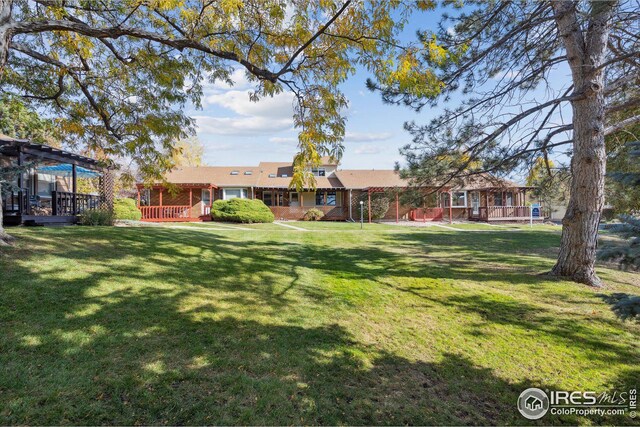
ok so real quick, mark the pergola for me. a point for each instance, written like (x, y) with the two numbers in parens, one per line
(382, 190)
(68, 164)
(371, 190)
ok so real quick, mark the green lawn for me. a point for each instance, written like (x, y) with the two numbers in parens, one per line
(389, 325)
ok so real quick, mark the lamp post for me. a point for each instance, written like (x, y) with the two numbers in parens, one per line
(361, 214)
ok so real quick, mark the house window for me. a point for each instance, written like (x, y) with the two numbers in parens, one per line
(293, 197)
(331, 198)
(206, 197)
(267, 198)
(459, 199)
(497, 199)
(318, 171)
(327, 198)
(234, 193)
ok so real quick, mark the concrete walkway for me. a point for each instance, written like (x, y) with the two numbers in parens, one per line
(289, 226)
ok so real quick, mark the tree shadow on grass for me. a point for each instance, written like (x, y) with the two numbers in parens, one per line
(75, 353)
(138, 358)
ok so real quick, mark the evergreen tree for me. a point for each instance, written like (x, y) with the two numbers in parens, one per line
(497, 60)
(627, 254)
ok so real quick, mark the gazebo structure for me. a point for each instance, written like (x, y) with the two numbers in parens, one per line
(46, 192)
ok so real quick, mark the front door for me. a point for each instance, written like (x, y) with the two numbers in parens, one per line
(475, 203)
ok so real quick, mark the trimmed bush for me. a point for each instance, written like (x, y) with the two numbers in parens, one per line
(96, 217)
(313, 214)
(241, 210)
(126, 209)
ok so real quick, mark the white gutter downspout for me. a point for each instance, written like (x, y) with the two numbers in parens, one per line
(350, 206)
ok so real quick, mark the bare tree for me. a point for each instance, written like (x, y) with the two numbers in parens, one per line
(500, 62)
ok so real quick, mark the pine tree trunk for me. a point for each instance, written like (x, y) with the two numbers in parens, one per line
(580, 224)
(586, 49)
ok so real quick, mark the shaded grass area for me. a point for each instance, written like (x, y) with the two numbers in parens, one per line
(332, 326)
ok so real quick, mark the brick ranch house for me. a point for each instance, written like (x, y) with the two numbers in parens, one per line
(189, 192)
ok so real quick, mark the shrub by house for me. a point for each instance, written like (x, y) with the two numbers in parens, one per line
(241, 210)
(126, 209)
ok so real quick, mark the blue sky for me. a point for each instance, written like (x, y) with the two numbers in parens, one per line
(237, 131)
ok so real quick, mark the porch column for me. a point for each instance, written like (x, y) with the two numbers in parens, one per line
(190, 201)
(160, 203)
(486, 196)
(210, 196)
(74, 190)
(369, 196)
(450, 207)
(21, 184)
(397, 208)
(138, 197)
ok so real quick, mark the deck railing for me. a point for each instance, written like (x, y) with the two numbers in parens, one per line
(62, 203)
(166, 213)
(426, 214)
(297, 212)
(504, 212)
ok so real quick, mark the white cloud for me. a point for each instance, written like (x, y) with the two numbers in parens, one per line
(368, 149)
(367, 136)
(237, 115)
(241, 126)
(284, 139)
(278, 106)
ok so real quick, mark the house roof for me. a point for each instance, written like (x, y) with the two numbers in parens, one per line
(221, 176)
(361, 179)
(278, 175)
(485, 181)
(328, 161)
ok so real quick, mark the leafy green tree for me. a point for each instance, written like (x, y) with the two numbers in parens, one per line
(117, 75)
(496, 60)
(17, 120)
